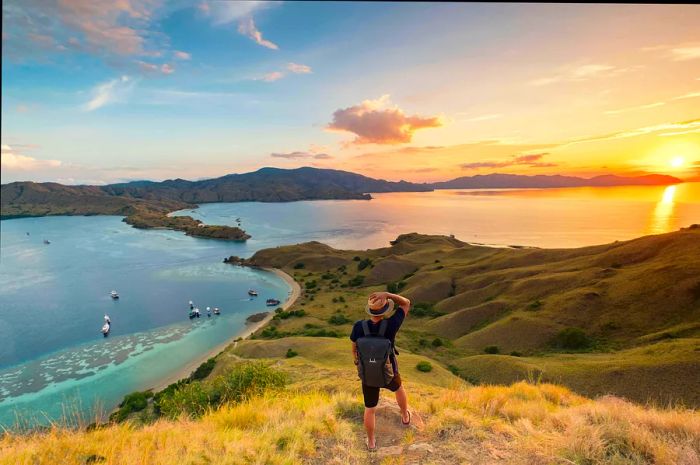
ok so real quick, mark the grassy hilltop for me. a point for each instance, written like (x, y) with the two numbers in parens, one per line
(617, 319)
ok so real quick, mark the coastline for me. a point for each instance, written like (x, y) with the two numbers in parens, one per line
(246, 332)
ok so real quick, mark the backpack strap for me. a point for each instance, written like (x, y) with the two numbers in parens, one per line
(382, 328)
(365, 328)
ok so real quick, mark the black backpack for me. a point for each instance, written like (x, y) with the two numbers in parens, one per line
(374, 350)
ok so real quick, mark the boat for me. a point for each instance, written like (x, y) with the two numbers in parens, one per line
(272, 302)
(114, 295)
(217, 311)
(252, 292)
(105, 329)
(46, 241)
(208, 311)
(194, 313)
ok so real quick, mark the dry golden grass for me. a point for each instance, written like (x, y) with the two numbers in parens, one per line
(321, 423)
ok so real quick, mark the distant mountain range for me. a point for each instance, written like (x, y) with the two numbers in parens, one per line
(263, 185)
(504, 181)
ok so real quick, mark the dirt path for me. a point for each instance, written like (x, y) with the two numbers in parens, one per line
(415, 445)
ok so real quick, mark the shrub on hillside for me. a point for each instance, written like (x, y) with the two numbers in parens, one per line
(362, 264)
(423, 309)
(291, 353)
(283, 315)
(134, 402)
(242, 382)
(299, 266)
(491, 350)
(356, 281)
(437, 342)
(339, 319)
(424, 366)
(572, 339)
(203, 370)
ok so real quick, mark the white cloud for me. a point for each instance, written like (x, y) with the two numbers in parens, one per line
(109, 92)
(12, 161)
(297, 68)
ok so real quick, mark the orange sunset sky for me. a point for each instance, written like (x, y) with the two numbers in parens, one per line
(138, 89)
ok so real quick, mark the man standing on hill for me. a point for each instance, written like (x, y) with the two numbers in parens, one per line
(375, 356)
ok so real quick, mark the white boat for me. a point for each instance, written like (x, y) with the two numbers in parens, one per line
(114, 295)
(217, 311)
(105, 329)
(252, 292)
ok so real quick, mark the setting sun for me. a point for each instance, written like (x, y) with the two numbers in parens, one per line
(677, 162)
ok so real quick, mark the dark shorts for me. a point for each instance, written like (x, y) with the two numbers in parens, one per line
(371, 394)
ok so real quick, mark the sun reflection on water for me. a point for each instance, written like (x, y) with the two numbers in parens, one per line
(662, 217)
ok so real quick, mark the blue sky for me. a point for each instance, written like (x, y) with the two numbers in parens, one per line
(98, 91)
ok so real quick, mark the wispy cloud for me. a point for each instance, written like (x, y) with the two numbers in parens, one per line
(297, 68)
(242, 12)
(635, 108)
(247, 28)
(663, 129)
(297, 155)
(272, 76)
(379, 122)
(223, 12)
(12, 161)
(180, 55)
(677, 52)
(481, 117)
(647, 106)
(531, 160)
(109, 92)
(120, 32)
(686, 53)
(153, 68)
(688, 95)
(576, 73)
(294, 68)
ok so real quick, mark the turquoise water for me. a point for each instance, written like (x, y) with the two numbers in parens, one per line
(53, 358)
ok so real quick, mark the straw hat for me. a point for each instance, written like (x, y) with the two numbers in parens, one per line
(379, 306)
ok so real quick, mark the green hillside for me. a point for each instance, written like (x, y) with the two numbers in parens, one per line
(620, 318)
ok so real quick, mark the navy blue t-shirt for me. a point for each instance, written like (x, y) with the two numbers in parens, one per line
(394, 322)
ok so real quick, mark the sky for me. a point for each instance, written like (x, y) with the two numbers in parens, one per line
(97, 91)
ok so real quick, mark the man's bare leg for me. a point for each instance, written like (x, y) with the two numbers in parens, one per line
(402, 401)
(369, 427)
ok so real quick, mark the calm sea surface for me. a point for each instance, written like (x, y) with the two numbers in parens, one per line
(536, 217)
(53, 297)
